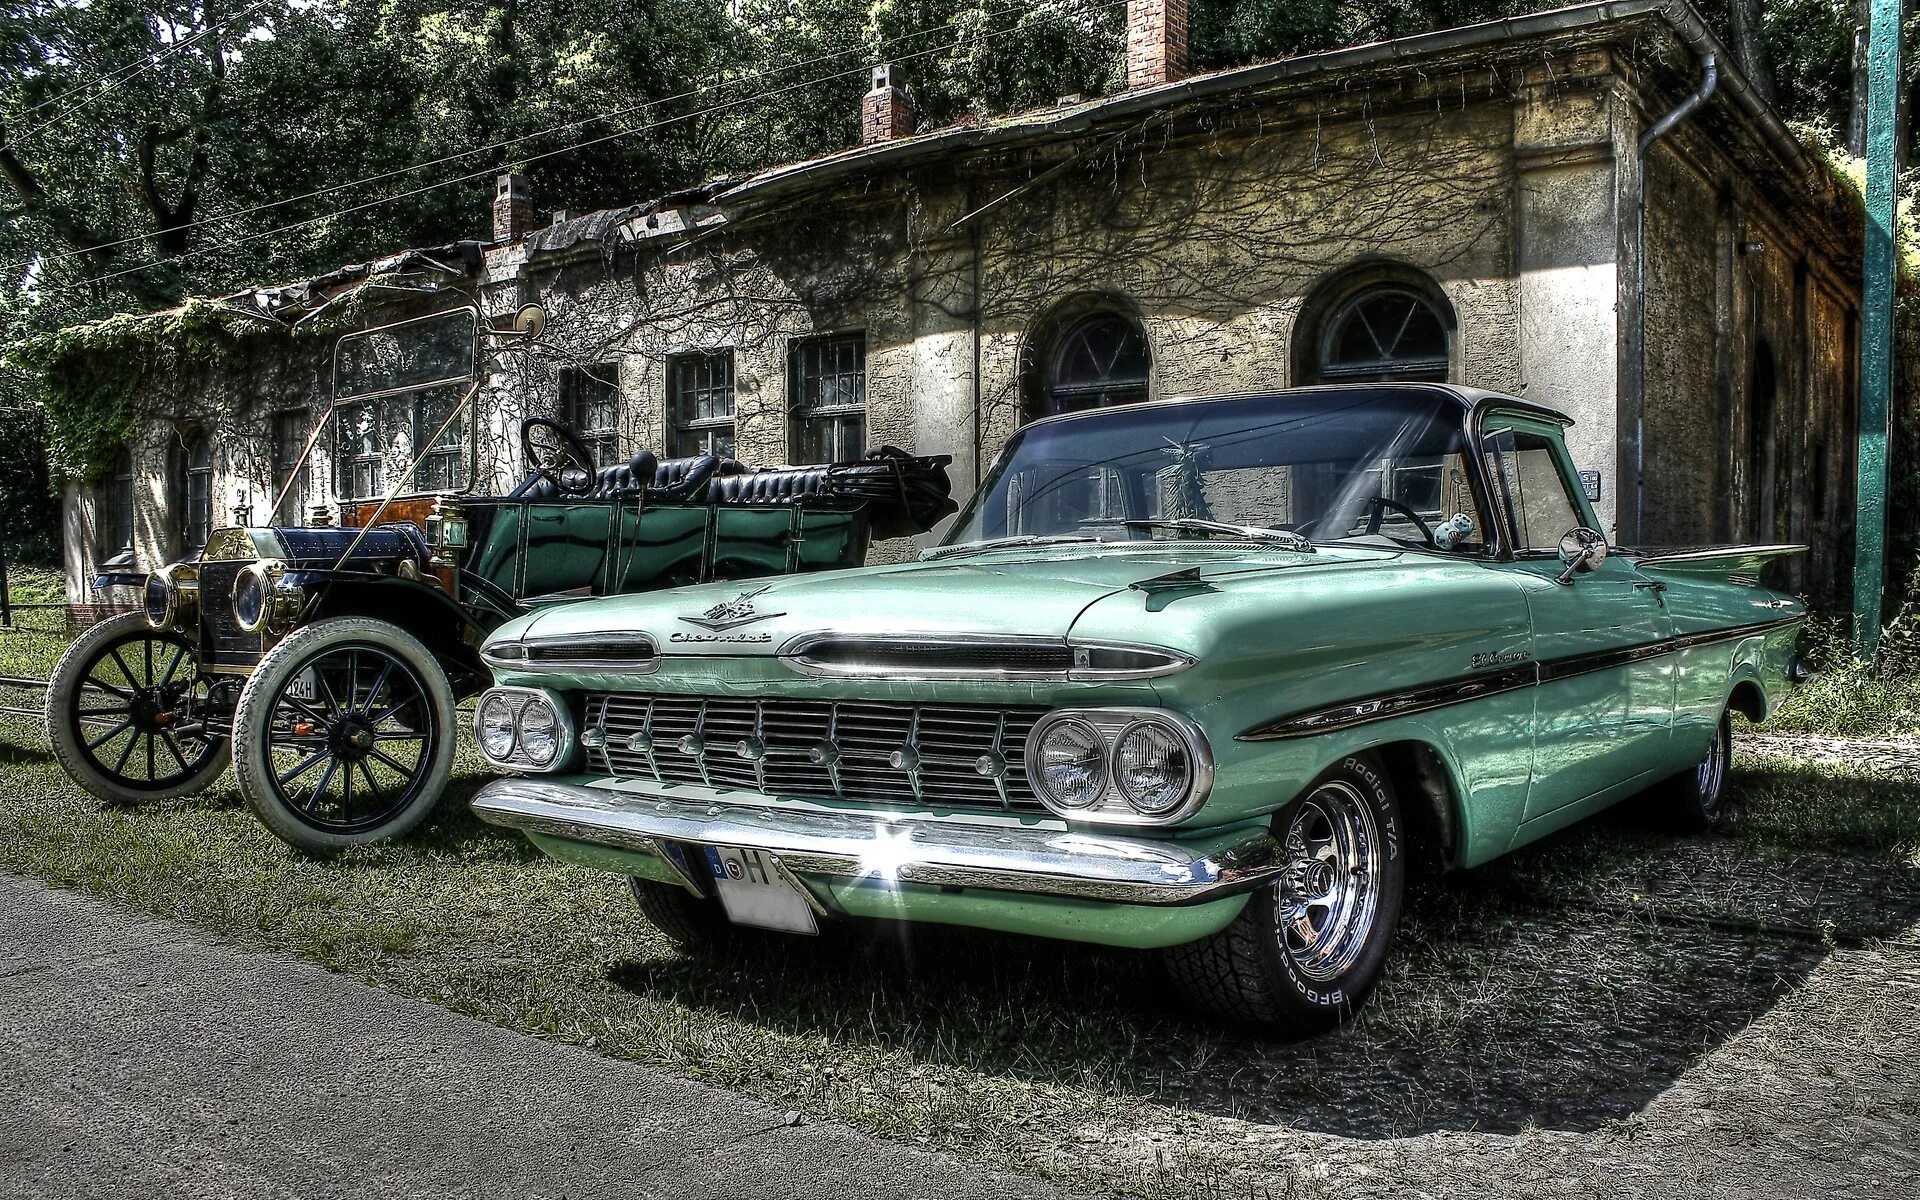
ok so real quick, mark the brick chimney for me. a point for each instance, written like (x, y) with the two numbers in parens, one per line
(512, 208)
(1156, 42)
(887, 112)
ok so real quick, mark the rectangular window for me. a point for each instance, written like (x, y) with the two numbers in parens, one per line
(288, 438)
(362, 451)
(590, 406)
(827, 397)
(116, 524)
(443, 463)
(702, 389)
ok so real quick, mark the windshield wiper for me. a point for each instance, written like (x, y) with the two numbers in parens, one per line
(1258, 533)
(1003, 543)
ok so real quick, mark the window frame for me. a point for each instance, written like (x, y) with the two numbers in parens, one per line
(1054, 390)
(196, 490)
(799, 418)
(1504, 423)
(600, 439)
(118, 502)
(295, 470)
(682, 401)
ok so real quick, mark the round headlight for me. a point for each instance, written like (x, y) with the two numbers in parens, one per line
(1071, 763)
(1153, 768)
(158, 600)
(539, 732)
(495, 727)
(250, 600)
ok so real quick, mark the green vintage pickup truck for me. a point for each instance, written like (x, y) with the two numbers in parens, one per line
(1200, 675)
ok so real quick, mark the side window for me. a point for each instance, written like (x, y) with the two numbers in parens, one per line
(116, 522)
(197, 493)
(1526, 469)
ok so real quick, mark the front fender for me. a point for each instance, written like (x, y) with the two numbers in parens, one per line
(426, 612)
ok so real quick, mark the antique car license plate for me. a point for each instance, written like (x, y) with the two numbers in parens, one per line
(756, 892)
(303, 686)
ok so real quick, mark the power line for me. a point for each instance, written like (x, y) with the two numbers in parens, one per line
(111, 82)
(568, 149)
(330, 189)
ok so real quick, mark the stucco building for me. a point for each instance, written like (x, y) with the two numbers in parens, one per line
(1459, 205)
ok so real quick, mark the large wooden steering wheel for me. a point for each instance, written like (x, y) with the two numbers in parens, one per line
(556, 454)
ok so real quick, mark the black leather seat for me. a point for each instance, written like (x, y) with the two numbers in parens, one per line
(769, 487)
(687, 478)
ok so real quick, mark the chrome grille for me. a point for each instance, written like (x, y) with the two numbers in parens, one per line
(224, 643)
(939, 755)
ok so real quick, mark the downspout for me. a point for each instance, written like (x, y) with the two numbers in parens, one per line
(1637, 361)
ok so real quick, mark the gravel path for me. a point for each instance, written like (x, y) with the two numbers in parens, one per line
(141, 1058)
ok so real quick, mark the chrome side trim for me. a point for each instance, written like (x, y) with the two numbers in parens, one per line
(940, 853)
(1388, 705)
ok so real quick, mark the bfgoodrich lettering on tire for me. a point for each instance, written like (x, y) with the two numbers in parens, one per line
(344, 735)
(1308, 949)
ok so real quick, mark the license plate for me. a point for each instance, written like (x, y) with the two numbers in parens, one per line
(755, 891)
(303, 686)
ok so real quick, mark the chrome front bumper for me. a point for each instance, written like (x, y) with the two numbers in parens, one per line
(950, 852)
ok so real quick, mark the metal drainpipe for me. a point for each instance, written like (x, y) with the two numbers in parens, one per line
(1638, 362)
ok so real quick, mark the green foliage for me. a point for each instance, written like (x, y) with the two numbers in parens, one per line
(1850, 698)
(92, 375)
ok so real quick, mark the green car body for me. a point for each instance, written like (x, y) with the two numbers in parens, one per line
(1505, 692)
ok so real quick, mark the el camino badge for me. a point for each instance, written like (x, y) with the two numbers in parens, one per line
(725, 616)
(1499, 658)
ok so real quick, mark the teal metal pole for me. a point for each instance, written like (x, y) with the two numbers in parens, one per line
(1876, 326)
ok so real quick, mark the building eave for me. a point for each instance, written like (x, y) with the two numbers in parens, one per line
(1064, 122)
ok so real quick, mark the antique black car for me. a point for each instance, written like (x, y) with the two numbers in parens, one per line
(325, 660)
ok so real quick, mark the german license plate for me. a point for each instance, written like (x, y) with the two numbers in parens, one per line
(303, 686)
(755, 891)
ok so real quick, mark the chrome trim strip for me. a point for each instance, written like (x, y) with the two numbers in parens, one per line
(939, 853)
(797, 656)
(1198, 750)
(1425, 698)
(529, 659)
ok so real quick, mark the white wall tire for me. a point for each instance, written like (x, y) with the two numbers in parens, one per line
(1308, 949)
(365, 758)
(111, 706)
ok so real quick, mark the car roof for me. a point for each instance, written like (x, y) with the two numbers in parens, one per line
(1470, 399)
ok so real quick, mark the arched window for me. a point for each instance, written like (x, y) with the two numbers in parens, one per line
(1098, 362)
(197, 492)
(1384, 332)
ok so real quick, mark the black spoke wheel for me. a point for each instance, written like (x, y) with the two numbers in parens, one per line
(127, 711)
(345, 735)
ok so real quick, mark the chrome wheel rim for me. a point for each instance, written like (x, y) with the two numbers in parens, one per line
(1329, 894)
(1711, 775)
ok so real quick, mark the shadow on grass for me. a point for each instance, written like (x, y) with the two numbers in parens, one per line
(1565, 986)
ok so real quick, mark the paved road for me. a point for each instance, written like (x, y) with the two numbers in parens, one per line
(141, 1058)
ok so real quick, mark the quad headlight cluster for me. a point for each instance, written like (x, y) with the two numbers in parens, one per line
(1132, 766)
(523, 729)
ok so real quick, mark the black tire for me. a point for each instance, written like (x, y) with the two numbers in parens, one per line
(381, 721)
(110, 708)
(1273, 968)
(688, 921)
(1695, 801)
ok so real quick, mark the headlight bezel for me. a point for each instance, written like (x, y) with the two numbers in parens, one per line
(519, 701)
(181, 584)
(280, 601)
(1111, 805)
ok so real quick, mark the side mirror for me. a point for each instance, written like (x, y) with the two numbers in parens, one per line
(1581, 549)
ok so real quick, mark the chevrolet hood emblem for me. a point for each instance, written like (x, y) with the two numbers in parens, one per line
(731, 614)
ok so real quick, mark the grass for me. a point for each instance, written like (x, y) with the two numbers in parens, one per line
(1560, 988)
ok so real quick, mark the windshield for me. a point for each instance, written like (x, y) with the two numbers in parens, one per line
(1377, 464)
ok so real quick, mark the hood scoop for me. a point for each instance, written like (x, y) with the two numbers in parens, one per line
(1186, 580)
